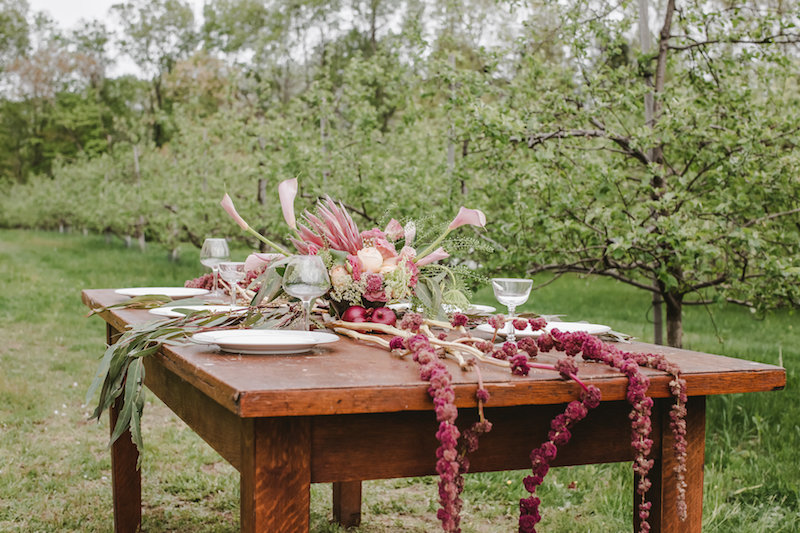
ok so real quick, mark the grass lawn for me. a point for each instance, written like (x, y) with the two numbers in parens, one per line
(54, 465)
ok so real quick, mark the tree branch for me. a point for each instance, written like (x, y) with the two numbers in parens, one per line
(623, 142)
(770, 217)
(573, 268)
(791, 38)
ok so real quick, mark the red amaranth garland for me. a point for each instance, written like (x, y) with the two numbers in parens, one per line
(450, 464)
(427, 348)
(593, 349)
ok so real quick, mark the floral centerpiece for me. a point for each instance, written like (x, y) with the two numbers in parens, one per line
(367, 269)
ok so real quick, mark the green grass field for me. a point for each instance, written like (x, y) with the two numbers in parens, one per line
(54, 464)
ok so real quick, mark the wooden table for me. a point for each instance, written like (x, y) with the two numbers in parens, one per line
(350, 412)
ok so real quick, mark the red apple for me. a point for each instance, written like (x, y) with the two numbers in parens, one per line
(383, 315)
(355, 313)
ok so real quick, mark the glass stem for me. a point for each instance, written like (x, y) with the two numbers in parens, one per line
(511, 337)
(306, 312)
(215, 270)
(233, 294)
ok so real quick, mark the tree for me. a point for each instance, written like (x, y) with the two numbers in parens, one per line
(157, 34)
(700, 205)
(14, 38)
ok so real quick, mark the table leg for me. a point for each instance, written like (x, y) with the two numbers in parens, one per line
(275, 475)
(126, 480)
(347, 503)
(663, 494)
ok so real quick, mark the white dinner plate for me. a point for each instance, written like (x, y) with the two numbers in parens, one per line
(173, 312)
(265, 341)
(173, 292)
(567, 327)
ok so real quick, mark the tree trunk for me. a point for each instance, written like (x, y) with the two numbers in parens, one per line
(674, 303)
(658, 319)
(262, 191)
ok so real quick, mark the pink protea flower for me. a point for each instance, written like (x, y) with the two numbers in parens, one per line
(473, 217)
(227, 205)
(332, 227)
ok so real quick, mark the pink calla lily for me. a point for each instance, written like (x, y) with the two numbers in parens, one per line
(287, 190)
(473, 217)
(227, 205)
(258, 261)
(436, 255)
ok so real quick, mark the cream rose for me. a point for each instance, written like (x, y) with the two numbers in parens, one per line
(371, 259)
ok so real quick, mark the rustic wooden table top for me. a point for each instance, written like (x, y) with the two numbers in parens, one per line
(351, 377)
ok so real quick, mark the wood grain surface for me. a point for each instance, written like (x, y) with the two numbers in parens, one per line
(352, 377)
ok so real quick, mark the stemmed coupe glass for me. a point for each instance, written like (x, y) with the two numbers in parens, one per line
(233, 273)
(306, 278)
(511, 292)
(214, 252)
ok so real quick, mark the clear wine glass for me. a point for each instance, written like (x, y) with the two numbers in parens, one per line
(233, 273)
(511, 292)
(306, 278)
(214, 252)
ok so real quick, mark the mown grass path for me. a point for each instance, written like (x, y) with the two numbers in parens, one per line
(54, 465)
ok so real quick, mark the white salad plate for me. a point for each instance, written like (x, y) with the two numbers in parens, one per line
(173, 292)
(473, 309)
(176, 310)
(566, 327)
(265, 341)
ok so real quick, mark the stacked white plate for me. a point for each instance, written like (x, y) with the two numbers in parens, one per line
(172, 292)
(265, 341)
(567, 327)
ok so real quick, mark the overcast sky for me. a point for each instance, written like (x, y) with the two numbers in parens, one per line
(67, 13)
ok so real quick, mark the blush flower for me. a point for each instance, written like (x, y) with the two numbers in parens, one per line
(473, 217)
(227, 205)
(287, 190)
(394, 230)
